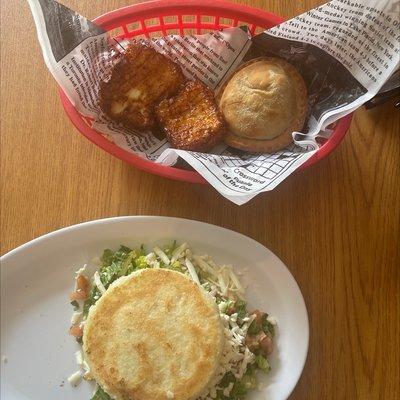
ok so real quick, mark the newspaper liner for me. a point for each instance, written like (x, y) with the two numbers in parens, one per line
(345, 50)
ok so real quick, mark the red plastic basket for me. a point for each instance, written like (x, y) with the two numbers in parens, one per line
(162, 17)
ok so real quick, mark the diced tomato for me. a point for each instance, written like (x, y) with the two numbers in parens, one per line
(76, 331)
(79, 295)
(82, 284)
(266, 345)
(82, 289)
(258, 316)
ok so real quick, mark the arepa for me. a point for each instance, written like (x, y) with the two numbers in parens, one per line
(154, 334)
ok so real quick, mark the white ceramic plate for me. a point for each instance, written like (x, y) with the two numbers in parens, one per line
(37, 278)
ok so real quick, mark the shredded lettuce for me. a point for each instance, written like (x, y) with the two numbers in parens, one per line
(124, 261)
(241, 309)
(240, 387)
(254, 328)
(140, 262)
(94, 295)
(176, 266)
(100, 394)
(114, 264)
(168, 250)
(267, 327)
(262, 363)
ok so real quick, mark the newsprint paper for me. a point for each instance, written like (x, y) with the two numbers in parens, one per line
(345, 50)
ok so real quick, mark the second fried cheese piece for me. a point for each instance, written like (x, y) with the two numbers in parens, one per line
(191, 120)
(138, 83)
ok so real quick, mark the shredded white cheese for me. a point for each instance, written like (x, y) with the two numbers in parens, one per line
(178, 252)
(150, 259)
(170, 395)
(76, 317)
(83, 365)
(227, 390)
(98, 283)
(188, 253)
(79, 358)
(163, 257)
(81, 271)
(192, 271)
(235, 355)
(234, 317)
(222, 284)
(75, 378)
(86, 369)
(203, 265)
(235, 281)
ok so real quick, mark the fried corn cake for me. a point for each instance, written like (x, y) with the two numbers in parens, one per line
(191, 119)
(139, 81)
(153, 335)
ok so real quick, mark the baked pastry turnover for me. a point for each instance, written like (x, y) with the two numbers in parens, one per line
(263, 103)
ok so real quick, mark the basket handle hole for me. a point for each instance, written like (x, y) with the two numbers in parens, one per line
(188, 19)
(170, 20)
(207, 19)
(172, 31)
(133, 26)
(152, 22)
(226, 22)
(189, 31)
(117, 32)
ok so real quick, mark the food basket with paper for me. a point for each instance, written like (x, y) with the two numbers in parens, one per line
(209, 91)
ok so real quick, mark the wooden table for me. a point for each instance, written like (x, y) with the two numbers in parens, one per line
(336, 225)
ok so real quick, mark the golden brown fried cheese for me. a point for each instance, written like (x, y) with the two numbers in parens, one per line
(139, 81)
(191, 120)
(154, 334)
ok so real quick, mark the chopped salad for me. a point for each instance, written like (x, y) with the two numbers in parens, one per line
(248, 335)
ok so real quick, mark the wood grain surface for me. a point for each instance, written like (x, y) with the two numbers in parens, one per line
(335, 225)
